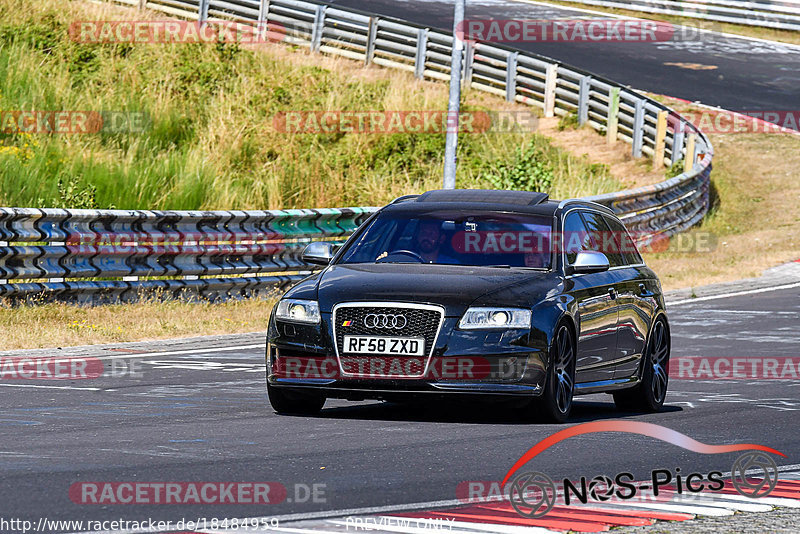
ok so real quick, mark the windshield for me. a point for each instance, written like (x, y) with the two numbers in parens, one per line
(451, 238)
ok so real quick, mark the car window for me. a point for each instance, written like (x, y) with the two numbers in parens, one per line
(603, 237)
(483, 238)
(576, 237)
(627, 246)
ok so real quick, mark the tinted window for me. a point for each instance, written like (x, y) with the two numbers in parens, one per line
(576, 237)
(452, 238)
(603, 238)
(627, 247)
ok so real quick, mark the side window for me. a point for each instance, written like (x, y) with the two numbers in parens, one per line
(627, 247)
(604, 238)
(576, 237)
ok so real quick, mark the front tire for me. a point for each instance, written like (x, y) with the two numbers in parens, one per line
(650, 393)
(555, 404)
(291, 402)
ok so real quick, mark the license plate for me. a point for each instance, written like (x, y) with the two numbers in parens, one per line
(403, 346)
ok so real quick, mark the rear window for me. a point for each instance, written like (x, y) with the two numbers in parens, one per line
(626, 246)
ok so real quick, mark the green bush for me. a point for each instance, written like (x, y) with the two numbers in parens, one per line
(529, 171)
(676, 169)
(568, 122)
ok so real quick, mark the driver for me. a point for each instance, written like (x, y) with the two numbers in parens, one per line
(429, 239)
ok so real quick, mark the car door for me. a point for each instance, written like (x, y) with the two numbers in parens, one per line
(597, 306)
(635, 302)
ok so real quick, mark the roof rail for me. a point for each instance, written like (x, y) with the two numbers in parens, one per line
(563, 203)
(495, 196)
(403, 199)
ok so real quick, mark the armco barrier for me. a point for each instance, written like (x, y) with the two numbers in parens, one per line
(114, 255)
(780, 14)
(77, 254)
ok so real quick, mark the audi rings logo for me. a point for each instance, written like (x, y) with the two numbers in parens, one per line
(532, 494)
(759, 484)
(385, 320)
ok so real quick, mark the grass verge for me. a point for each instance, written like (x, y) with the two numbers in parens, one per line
(754, 222)
(63, 325)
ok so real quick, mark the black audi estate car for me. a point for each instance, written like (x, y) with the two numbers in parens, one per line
(497, 294)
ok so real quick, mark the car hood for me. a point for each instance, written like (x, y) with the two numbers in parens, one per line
(453, 287)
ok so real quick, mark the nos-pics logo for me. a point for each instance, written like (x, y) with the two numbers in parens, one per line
(533, 494)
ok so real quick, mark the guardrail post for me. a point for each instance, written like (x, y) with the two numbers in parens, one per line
(688, 161)
(372, 33)
(511, 76)
(638, 128)
(263, 20)
(422, 53)
(661, 137)
(583, 99)
(142, 5)
(202, 12)
(319, 26)
(3, 244)
(677, 142)
(550, 83)
(612, 119)
(469, 59)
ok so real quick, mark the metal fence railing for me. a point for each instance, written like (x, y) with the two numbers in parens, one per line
(115, 255)
(82, 254)
(780, 14)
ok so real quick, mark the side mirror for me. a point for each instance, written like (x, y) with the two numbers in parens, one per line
(589, 261)
(319, 253)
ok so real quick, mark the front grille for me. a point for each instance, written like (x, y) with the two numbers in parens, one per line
(421, 322)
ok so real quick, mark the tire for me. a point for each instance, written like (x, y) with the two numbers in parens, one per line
(649, 394)
(291, 402)
(555, 404)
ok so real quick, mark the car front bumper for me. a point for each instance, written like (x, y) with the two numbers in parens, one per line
(509, 363)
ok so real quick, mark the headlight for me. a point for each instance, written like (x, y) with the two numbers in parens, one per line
(298, 311)
(495, 318)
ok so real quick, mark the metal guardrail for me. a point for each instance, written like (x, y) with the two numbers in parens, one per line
(114, 255)
(781, 14)
(72, 254)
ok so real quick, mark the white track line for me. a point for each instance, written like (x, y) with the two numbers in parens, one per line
(47, 387)
(772, 501)
(721, 503)
(713, 511)
(377, 526)
(484, 527)
(128, 356)
(734, 294)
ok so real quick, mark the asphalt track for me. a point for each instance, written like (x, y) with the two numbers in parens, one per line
(732, 72)
(196, 411)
